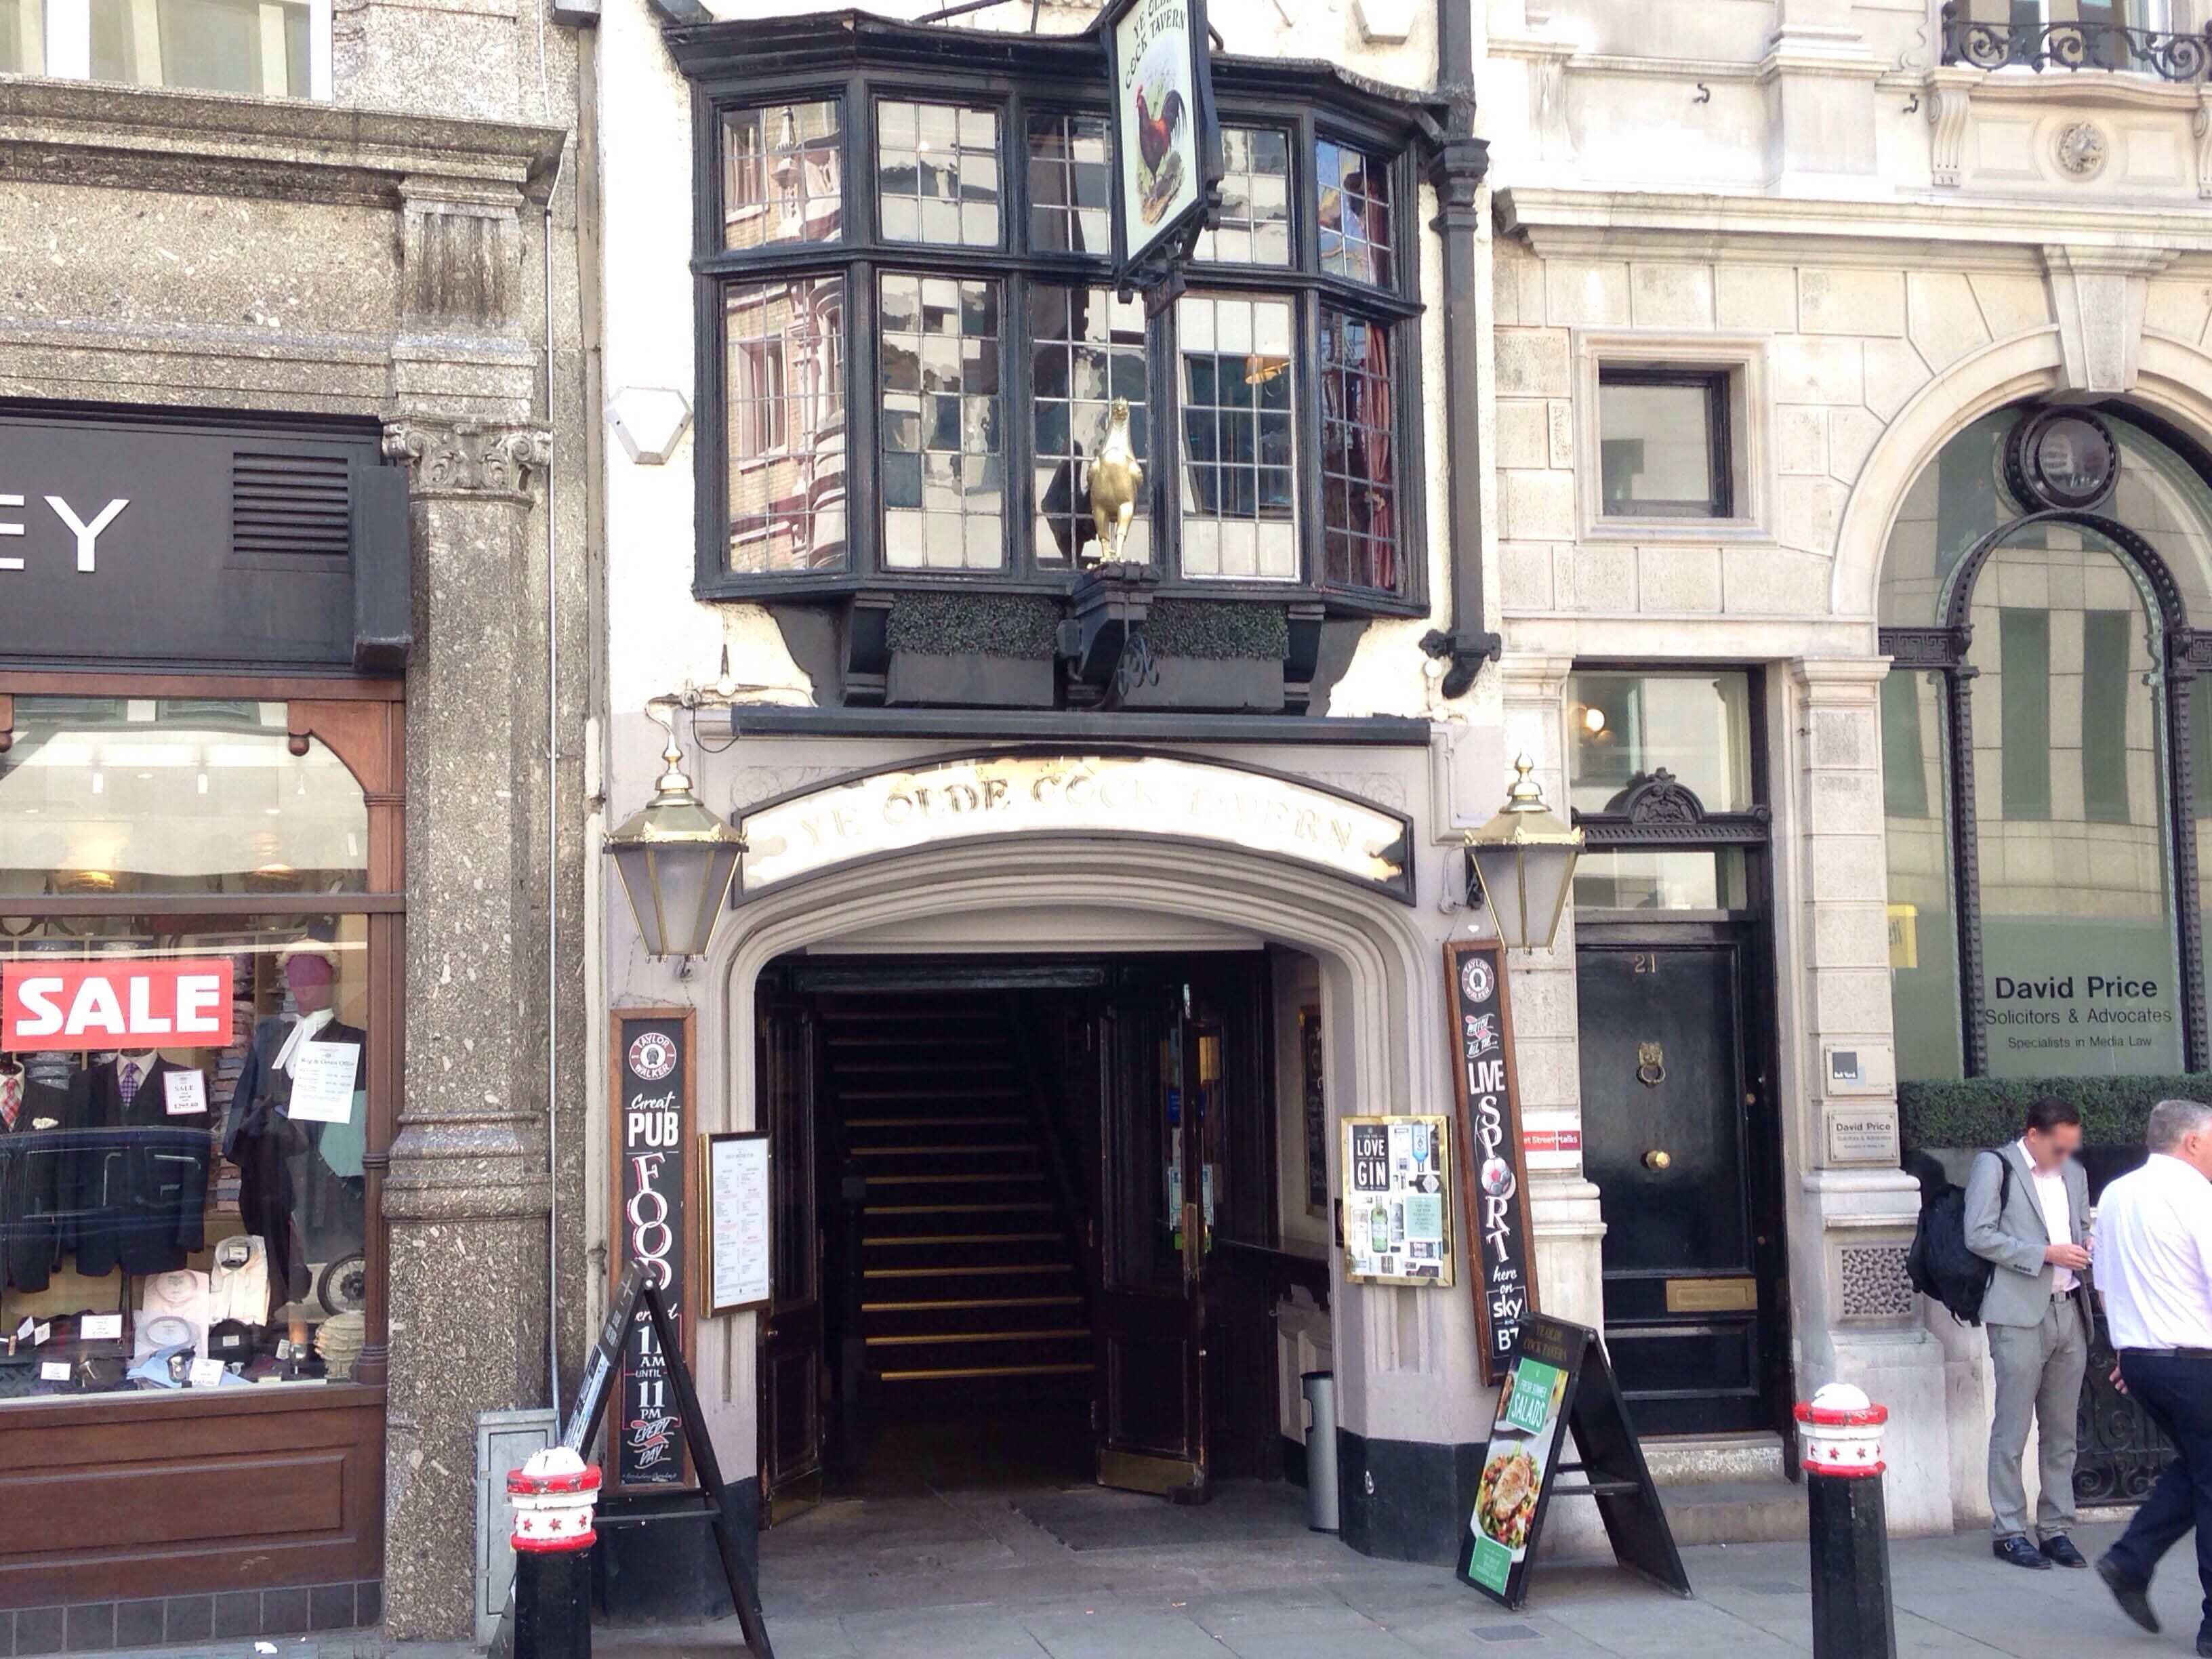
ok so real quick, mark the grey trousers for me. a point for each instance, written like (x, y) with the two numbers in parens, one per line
(2039, 1377)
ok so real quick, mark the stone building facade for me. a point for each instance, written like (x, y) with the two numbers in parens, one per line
(367, 233)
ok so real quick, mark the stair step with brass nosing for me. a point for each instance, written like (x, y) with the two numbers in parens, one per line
(980, 1149)
(958, 1209)
(880, 1239)
(923, 1339)
(931, 1123)
(1007, 1178)
(963, 1373)
(994, 1271)
(929, 1094)
(972, 1303)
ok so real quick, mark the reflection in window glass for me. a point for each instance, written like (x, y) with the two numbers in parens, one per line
(2079, 955)
(22, 37)
(209, 1188)
(785, 395)
(944, 467)
(782, 168)
(258, 47)
(1657, 446)
(1239, 386)
(138, 795)
(1637, 880)
(1923, 962)
(1256, 200)
(1355, 215)
(1359, 454)
(1087, 347)
(936, 173)
(1068, 179)
(1626, 728)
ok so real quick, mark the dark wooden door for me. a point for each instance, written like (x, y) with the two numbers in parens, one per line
(1672, 1119)
(792, 1382)
(1162, 1115)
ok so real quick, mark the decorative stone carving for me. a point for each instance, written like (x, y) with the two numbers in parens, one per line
(1872, 1285)
(2200, 127)
(2081, 148)
(2097, 295)
(469, 457)
(1949, 103)
(461, 257)
(1663, 799)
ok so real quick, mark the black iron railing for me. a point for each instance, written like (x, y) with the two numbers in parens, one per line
(2076, 45)
(2121, 1450)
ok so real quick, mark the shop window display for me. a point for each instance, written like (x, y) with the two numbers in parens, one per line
(183, 1115)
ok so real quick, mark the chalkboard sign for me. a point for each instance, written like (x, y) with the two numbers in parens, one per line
(652, 1141)
(1559, 1379)
(1498, 1245)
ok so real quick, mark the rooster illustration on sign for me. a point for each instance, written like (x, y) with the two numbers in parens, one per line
(1158, 118)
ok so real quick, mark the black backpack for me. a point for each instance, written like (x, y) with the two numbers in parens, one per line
(1940, 1265)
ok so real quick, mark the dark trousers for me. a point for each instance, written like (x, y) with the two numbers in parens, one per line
(2177, 1395)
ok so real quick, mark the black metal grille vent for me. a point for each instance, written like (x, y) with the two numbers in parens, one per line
(288, 506)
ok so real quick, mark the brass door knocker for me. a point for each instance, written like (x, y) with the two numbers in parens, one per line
(1651, 1065)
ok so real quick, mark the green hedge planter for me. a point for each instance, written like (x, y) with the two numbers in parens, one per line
(1987, 1111)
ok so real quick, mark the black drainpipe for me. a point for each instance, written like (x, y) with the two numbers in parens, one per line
(1458, 173)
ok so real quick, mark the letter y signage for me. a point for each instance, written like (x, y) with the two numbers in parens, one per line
(85, 532)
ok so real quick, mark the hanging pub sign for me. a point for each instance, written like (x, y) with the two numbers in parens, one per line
(1167, 142)
(1397, 1200)
(653, 1138)
(1560, 1379)
(1498, 1236)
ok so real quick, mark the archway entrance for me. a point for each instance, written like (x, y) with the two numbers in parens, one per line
(1042, 1192)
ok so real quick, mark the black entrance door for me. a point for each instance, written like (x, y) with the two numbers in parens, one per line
(1674, 1116)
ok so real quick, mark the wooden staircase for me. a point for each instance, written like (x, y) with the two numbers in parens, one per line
(970, 1287)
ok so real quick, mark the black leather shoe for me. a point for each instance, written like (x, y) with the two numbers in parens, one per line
(2132, 1597)
(2017, 1550)
(2059, 1548)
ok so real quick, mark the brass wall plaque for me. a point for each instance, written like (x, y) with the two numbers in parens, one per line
(1712, 1295)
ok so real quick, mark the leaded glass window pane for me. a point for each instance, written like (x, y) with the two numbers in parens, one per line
(1356, 232)
(1087, 347)
(936, 173)
(785, 382)
(1359, 454)
(1256, 200)
(1069, 176)
(782, 174)
(1239, 387)
(943, 464)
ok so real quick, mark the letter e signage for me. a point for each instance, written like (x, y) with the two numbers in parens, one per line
(127, 1003)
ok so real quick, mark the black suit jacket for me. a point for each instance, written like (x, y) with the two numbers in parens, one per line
(141, 1181)
(33, 1217)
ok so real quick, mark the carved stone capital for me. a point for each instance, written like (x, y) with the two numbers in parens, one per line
(461, 247)
(1950, 102)
(469, 457)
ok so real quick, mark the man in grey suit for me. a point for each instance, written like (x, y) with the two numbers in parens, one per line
(2034, 1227)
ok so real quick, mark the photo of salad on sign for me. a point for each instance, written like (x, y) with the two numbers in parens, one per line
(1524, 1437)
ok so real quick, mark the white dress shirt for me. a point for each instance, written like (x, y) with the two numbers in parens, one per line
(2058, 1214)
(2154, 1256)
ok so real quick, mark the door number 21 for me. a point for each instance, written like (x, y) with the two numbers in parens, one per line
(1643, 961)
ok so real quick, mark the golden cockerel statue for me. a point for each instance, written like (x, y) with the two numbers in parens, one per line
(1116, 476)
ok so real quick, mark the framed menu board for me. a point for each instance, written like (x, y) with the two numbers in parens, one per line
(736, 1233)
(1397, 1200)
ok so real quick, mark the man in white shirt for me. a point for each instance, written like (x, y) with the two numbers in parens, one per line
(2154, 1253)
(2027, 1215)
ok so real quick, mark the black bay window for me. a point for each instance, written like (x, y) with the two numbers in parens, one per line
(913, 349)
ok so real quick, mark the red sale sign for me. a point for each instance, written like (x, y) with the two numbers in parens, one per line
(115, 1004)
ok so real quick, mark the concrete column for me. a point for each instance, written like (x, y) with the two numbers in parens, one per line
(467, 1197)
(1819, 77)
(1851, 1209)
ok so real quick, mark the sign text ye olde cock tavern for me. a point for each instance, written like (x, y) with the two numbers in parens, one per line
(1104, 794)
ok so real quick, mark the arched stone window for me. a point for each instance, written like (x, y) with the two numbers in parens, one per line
(2042, 732)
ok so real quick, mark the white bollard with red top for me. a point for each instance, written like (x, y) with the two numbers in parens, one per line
(1852, 1616)
(553, 1496)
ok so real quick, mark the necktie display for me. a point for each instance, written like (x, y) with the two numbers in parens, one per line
(126, 1080)
(11, 1096)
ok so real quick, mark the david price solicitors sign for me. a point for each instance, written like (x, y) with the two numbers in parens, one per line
(1159, 796)
(2081, 997)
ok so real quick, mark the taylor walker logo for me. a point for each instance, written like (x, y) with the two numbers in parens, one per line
(1475, 979)
(652, 1056)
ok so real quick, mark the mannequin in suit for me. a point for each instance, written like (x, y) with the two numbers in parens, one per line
(141, 1180)
(31, 1112)
(260, 1136)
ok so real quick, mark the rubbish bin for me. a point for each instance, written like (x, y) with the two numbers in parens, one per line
(1321, 1450)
